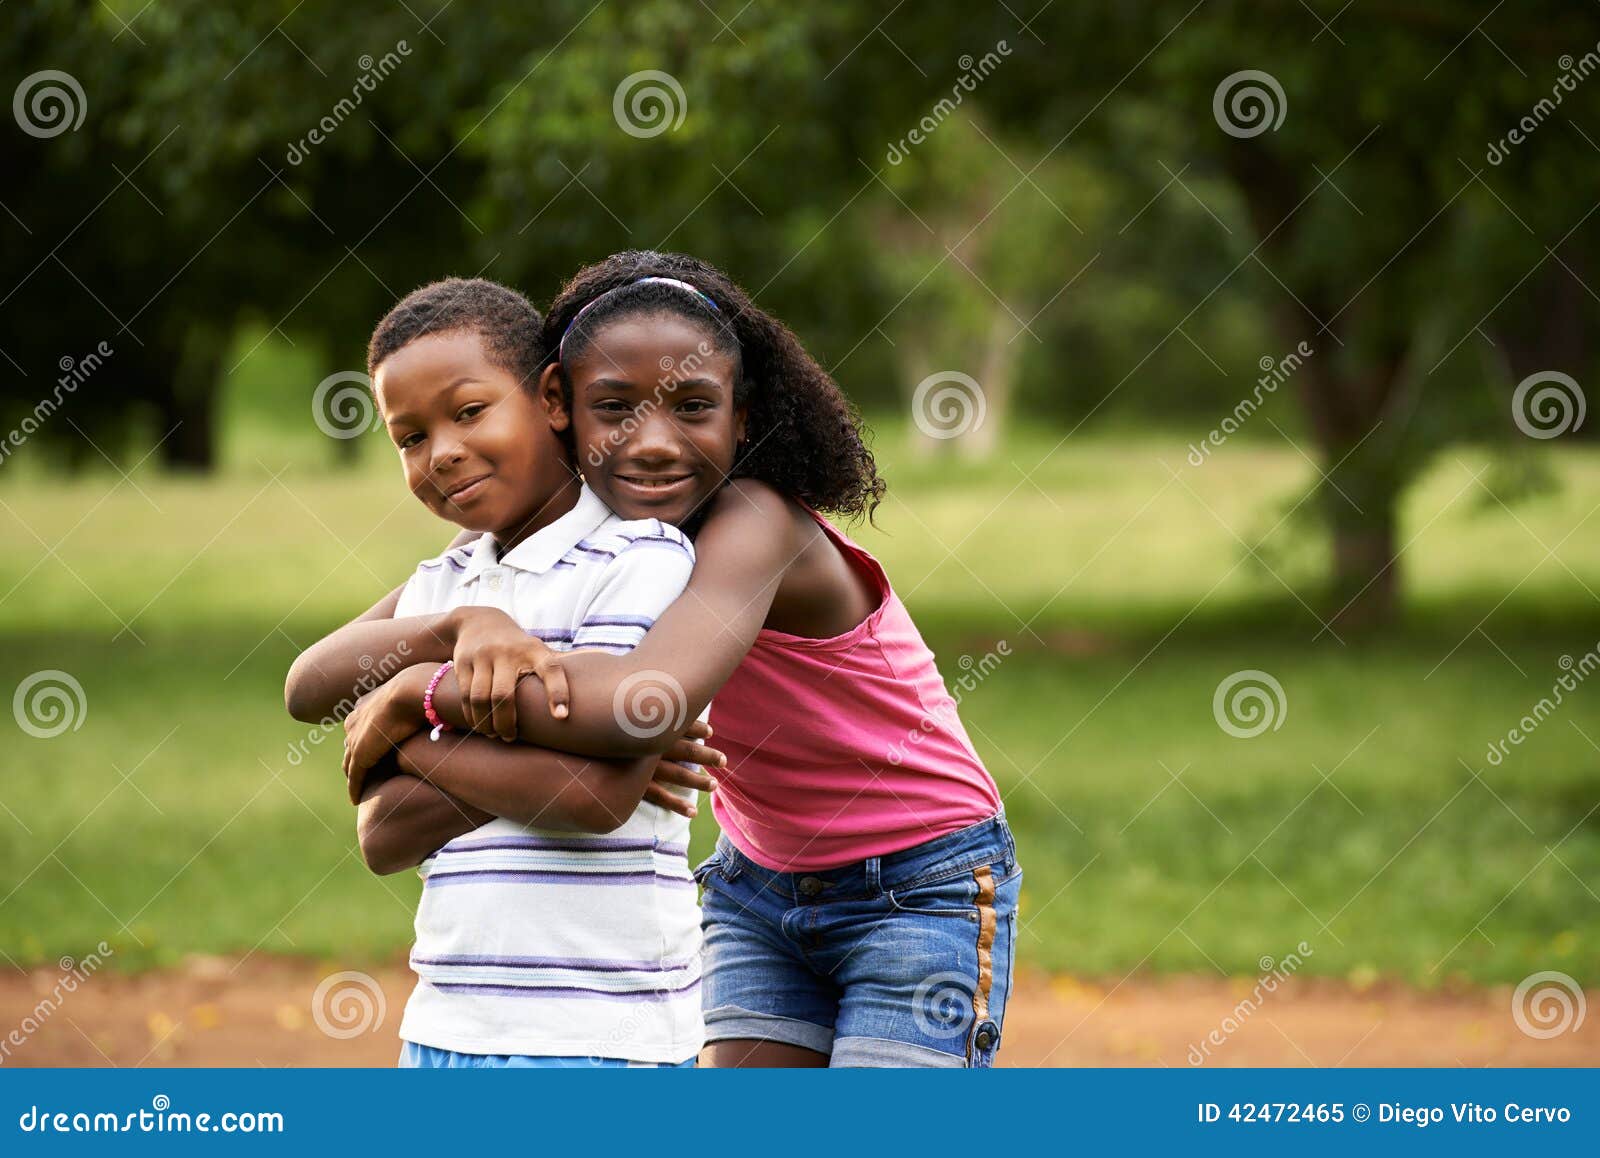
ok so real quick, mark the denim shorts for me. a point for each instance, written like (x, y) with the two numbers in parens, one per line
(898, 960)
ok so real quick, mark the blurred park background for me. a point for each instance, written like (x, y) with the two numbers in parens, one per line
(1199, 340)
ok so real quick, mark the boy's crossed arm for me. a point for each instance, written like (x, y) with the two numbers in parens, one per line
(445, 788)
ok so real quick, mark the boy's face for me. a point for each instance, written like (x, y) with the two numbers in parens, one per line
(653, 416)
(475, 444)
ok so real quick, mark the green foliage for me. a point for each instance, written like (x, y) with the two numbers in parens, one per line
(177, 811)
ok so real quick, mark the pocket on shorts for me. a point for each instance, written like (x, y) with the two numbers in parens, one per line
(955, 891)
(712, 864)
(955, 895)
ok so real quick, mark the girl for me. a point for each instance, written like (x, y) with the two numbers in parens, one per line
(860, 907)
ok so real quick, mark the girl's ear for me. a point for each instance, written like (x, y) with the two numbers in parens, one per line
(740, 415)
(550, 392)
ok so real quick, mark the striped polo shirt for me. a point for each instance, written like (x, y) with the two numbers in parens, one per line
(532, 941)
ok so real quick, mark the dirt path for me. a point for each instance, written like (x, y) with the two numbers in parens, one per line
(267, 1011)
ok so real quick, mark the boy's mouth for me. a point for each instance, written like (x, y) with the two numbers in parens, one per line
(466, 490)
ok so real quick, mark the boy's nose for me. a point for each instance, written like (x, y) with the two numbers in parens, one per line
(446, 454)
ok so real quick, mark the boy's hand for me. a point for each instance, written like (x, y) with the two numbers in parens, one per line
(492, 654)
(684, 764)
(382, 719)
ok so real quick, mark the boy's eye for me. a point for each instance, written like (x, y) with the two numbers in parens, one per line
(695, 406)
(410, 440)
(613, 406)
(470, 410)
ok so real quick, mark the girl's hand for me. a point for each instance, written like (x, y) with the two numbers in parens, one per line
(684, 765)
(382, 719)
(492, 654)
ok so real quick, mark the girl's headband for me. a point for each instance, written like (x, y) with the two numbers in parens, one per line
(562, 345)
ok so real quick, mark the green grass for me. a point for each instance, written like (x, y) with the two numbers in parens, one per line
(173, 821)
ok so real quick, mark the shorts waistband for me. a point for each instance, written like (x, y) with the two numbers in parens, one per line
(986, 842)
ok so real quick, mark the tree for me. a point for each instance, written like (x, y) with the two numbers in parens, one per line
(1370, 156)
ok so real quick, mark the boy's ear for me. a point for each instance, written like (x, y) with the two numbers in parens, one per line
(550, 393)
(740, 414)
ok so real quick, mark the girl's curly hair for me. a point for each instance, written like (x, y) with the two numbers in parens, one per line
(803, 436)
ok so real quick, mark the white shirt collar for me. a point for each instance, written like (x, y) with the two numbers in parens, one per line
(541, 550)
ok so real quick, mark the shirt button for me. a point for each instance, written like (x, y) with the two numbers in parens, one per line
(810, 886)
(494, 581)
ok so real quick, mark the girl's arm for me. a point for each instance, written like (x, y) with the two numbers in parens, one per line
(742, 553)
(403, 820)
(523, 783)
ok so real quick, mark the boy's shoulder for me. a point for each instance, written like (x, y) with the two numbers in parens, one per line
(436, 582)
(452, 561)
(617, 536)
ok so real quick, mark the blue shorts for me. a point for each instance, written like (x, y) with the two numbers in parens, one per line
(899, 960)
(426, 1057)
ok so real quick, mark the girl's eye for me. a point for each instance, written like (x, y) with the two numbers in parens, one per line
(613, 406)
(410, 440)
(471, 410)
(695, 406)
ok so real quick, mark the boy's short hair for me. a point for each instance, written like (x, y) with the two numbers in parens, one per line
(508, 323)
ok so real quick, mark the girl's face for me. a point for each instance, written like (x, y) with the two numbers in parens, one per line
(652, 415)
(475, 445)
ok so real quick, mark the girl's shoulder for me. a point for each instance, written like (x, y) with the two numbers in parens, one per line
(758, 512)
(826, 585)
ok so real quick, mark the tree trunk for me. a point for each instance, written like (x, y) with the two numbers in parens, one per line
(1361, 488)
(190, 405)
(916, 363)
(997, 375)
(1366, 572)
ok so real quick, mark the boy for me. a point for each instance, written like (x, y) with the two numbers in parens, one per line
(537, 944)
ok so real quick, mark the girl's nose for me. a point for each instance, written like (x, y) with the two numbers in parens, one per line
(656, 439)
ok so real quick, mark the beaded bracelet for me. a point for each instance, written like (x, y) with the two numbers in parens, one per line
(427, 702)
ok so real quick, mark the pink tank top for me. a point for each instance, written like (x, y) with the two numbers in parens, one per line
(845, 748)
